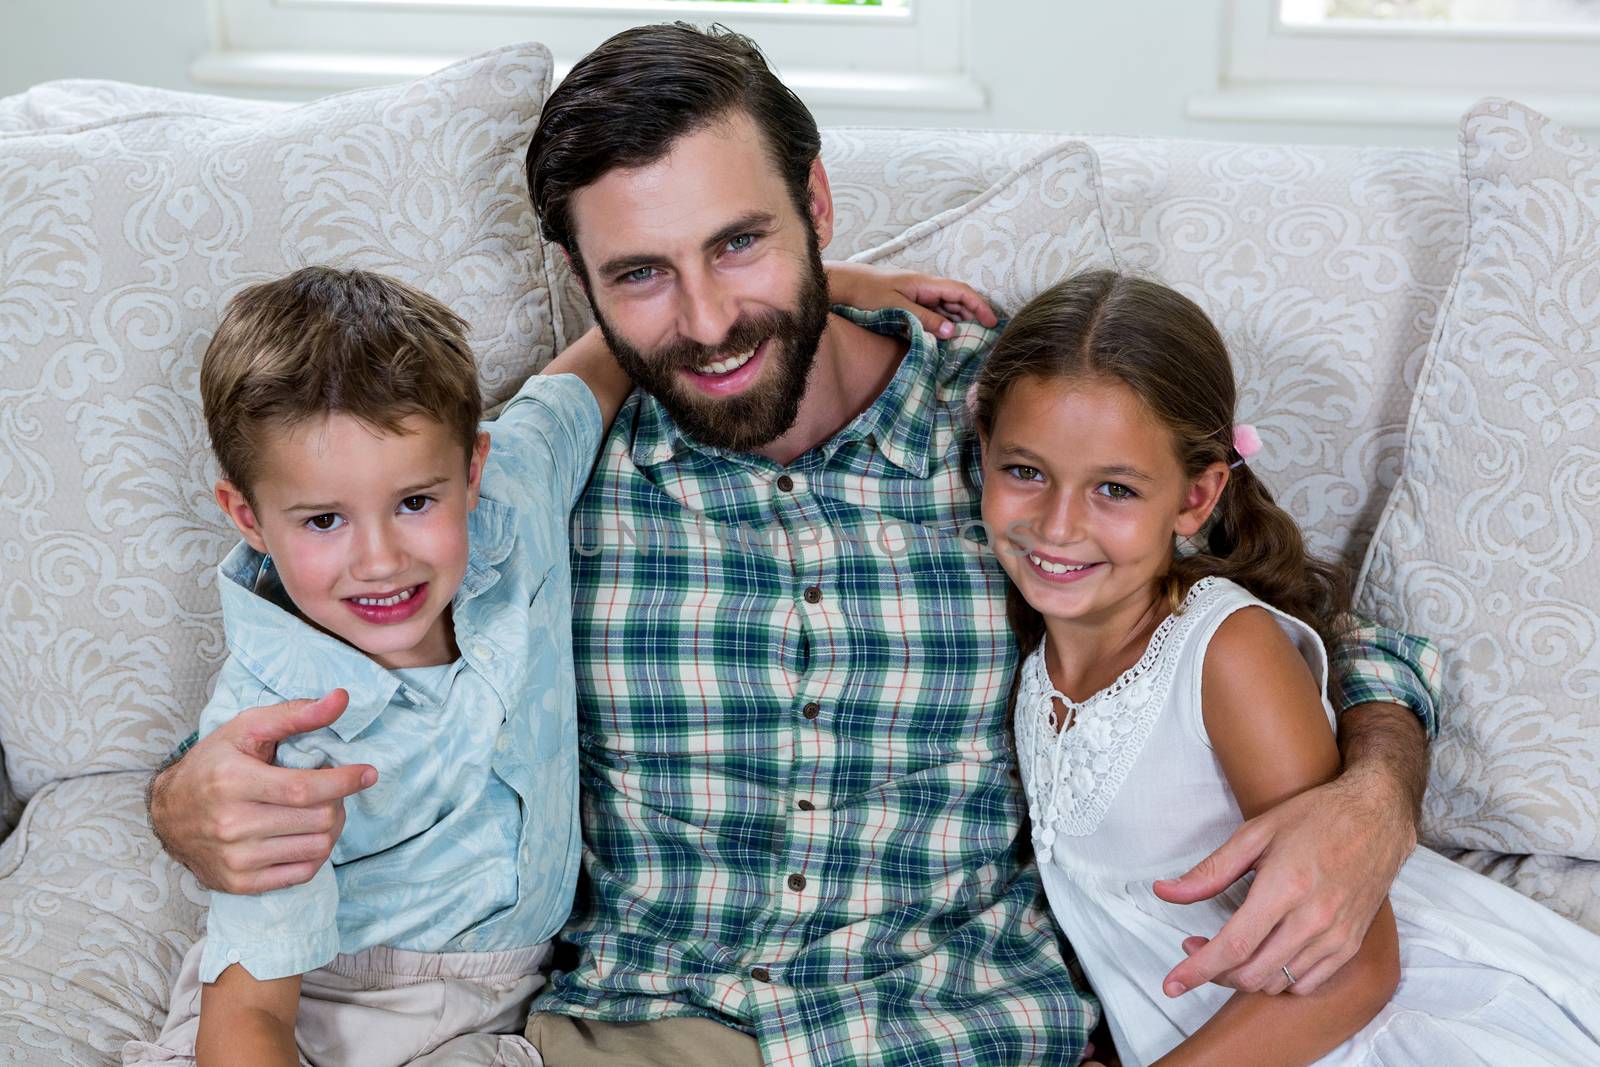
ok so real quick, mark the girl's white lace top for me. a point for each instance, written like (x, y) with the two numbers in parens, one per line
(1074, 773)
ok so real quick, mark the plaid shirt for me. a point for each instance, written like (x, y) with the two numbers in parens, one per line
(801, 808)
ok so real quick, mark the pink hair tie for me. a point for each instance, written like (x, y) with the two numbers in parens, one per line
(1246, 442)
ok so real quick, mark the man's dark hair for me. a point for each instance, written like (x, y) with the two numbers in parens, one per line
(627, 102)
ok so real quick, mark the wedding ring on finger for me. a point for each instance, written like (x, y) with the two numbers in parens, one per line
(1287, 974)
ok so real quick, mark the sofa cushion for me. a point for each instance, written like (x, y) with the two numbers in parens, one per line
(1488, 544)
(886, 181)
(94, 921)
(1038, 224)
(120, 242)
(79, 101)
(1568, 886)
(1323, 268)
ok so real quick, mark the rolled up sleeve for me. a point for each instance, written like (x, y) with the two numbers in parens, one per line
(274, 935)
(1375, 664)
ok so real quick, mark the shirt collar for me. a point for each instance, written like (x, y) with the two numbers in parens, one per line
(296, 661)
(899, 423)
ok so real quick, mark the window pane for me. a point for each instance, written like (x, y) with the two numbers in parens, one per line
(1446, 12)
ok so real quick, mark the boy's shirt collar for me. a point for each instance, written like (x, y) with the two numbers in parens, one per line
(296, 661)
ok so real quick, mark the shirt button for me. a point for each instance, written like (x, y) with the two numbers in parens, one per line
(813, 594)
(785, 483)
(797, 882)
(485, 650)
(806, 805)
(811, 710)
(502, 743)
(761, 974)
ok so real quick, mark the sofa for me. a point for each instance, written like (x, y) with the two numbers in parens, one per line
(129, 215)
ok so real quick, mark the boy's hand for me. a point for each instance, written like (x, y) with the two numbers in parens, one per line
(243, 825)
(938, 303)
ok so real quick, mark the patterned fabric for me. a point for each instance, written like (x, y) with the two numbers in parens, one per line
(1039, 224)
(1323, 267)
(94, 922)
(1373, 664)
(468, 841)
(120, 242)
(79, 101)
(1567, 886)
(1487, 541)
(800, 801)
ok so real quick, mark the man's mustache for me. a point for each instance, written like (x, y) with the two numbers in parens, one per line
(746, 333)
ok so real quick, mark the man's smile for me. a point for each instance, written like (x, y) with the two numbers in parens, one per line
(731, 374)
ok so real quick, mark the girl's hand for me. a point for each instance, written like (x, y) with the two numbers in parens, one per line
(938, 303)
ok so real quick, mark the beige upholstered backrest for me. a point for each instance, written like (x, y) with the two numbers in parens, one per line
(121, 239)
(1324, 268)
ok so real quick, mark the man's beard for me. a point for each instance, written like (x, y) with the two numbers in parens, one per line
(764, 411)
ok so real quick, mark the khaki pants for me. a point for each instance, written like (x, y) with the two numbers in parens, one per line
(387, 1007)
(682, 1042)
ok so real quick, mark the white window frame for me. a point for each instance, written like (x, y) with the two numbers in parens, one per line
(1375, 72)
(841, 60)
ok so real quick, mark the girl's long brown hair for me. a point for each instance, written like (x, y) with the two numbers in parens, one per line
(1106, 325)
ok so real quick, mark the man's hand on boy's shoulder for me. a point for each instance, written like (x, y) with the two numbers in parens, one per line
(590, 358)
(243, 825)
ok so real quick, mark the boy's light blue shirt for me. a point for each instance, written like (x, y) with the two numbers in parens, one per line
(469, 840)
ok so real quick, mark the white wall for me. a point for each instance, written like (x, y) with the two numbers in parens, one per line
(1124, 67)
(146, 41)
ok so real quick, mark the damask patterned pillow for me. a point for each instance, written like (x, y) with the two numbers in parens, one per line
(1038, 224)
(1488, 543)
(1323, 268)
(120, 242)
(77, 101)
(886, 181)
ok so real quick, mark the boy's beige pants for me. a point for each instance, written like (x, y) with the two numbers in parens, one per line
(387, 1006)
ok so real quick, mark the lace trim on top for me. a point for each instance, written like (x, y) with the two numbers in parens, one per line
(1072, 775)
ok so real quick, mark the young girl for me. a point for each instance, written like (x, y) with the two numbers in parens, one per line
(1164, 700)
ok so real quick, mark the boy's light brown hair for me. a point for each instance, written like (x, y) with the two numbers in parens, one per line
(322, 341)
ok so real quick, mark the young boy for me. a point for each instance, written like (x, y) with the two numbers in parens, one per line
(389, 551)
